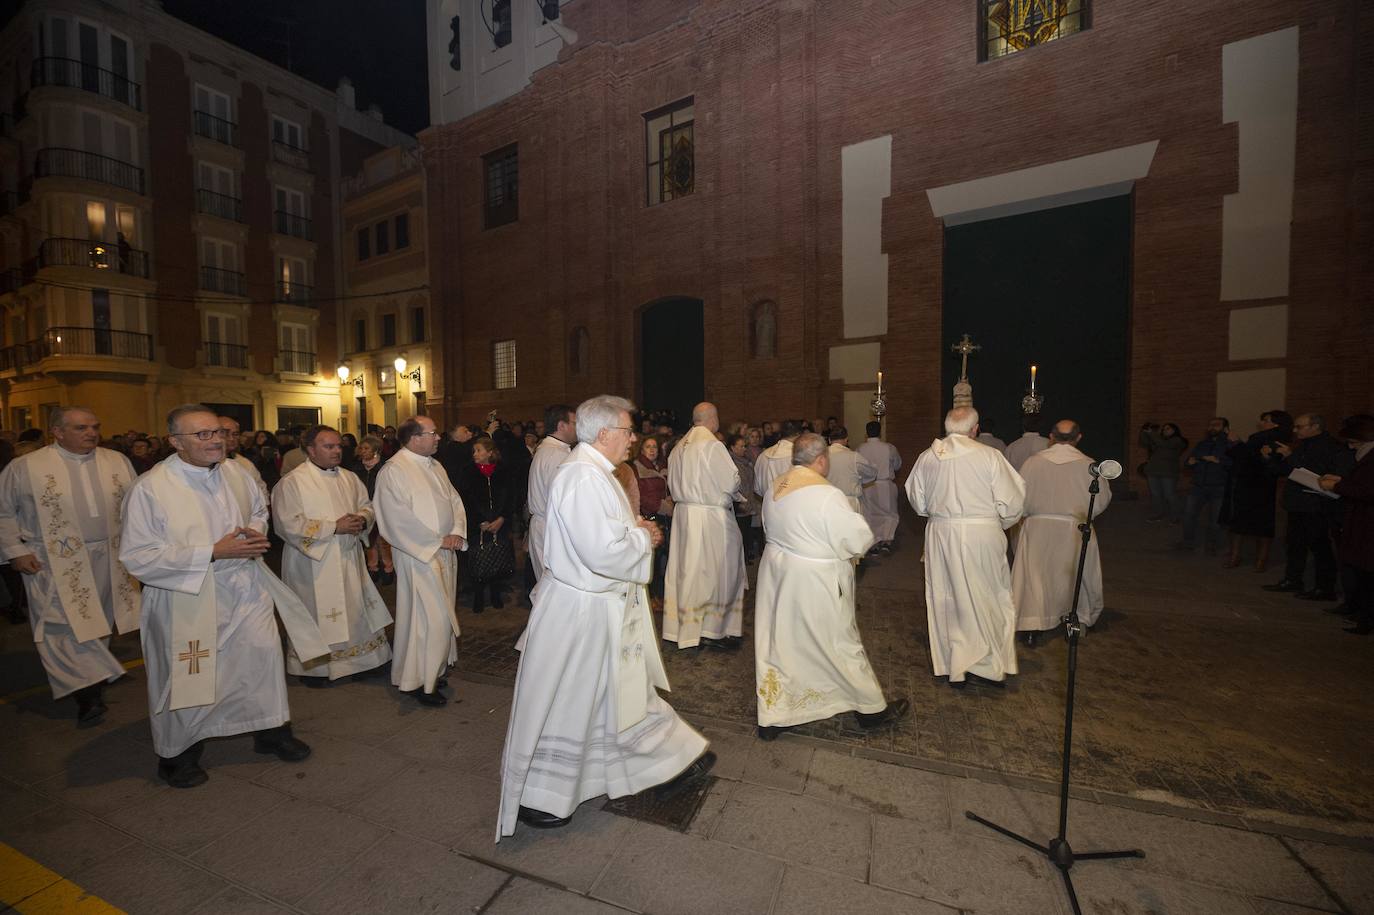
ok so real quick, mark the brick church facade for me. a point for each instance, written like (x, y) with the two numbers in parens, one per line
(1244, 139)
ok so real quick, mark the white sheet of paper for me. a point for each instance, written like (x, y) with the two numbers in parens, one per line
(1309, 480)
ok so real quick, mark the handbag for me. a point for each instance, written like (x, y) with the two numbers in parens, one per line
(494, 559)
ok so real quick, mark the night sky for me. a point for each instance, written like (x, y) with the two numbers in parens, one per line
(379, 44)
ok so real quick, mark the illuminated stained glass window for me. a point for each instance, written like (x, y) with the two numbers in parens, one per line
(1009, 26)
(670, 155)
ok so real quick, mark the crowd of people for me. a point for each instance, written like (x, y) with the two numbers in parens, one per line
(599, 517)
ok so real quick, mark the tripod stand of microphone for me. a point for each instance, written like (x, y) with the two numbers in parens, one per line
(1059, 852)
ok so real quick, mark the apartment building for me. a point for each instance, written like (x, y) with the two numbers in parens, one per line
(168, 221)
(389, 370)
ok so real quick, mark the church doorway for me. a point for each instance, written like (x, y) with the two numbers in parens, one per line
(1050, 288)
(672, 357)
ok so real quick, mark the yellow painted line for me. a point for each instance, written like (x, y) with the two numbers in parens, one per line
(38, 690)
(34, 890)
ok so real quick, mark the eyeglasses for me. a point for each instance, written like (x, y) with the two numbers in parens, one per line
(629, 429)
(205, 435)
(431, 432)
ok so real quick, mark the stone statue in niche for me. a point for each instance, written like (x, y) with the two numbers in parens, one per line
(765, 329)
(580, 352)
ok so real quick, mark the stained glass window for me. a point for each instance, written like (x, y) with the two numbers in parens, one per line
(1009, 26)
(670, 152)
(502, 182)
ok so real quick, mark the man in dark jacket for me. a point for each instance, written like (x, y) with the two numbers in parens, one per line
(455, 451)
(1210, 465)
(1311, 516)
(1356, 490)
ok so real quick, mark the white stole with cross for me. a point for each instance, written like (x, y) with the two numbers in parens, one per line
(50, 475)
(317, 490)
(194, 616)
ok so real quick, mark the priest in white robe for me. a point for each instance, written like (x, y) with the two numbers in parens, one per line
(231, 450)
(848, 470)
(971, 495)
(586, 719)
(775, 460)
(561, 423)
(1030, 442)
(703, 599)
(194, 534)
(809, 662)
(421, 515)
(323, 515)
(880, 497)
(59, 527)
(1057, 481)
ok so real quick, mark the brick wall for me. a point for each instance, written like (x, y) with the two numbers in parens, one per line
(780, 88)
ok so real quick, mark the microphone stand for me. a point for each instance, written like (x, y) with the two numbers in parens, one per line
(1058, 851)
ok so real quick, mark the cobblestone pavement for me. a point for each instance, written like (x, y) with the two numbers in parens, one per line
(1195, 689)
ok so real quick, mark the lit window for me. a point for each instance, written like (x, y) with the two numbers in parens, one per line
(503, 364)
(1009, 26)
(670, 152)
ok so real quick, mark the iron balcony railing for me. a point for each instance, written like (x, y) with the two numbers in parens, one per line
(77, 163)
(90, 341)
(11, 280)
(77, 74)
(228, 282)
(290, 155)
(226, 355)
(99, 255)
(216, 128)
(213, 203)
(296, 361)
(294, 293)
(294, 224)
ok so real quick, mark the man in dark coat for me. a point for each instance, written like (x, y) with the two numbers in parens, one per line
(1356, 490)
(1311, 516)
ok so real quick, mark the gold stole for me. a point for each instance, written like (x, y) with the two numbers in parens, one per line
(67, 557)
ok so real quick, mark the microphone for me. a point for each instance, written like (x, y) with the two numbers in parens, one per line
(1107, 470)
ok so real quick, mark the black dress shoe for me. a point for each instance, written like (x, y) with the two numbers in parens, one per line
(279, 742)
(90, 705)
(729, 643)
(434, 699)
(770, 733)
(894, 713)
(314, 682)
(183, 770)
(440, 682)
(960, 684)
(696, 770)
(984, 681)
(1031, 638)
(538, 819)
(1315, 594)
(1340, 610)
(1364, 628)
(1284, 586)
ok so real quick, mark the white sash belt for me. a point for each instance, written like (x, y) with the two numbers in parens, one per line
(944, 520)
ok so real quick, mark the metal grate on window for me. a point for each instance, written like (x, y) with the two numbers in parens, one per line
(503, 364)
(502, 179)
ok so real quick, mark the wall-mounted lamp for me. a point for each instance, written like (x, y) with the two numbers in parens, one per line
(343, 372)
(414, 374)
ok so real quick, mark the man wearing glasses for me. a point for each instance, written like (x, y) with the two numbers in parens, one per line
(420, 514)
(194, 534)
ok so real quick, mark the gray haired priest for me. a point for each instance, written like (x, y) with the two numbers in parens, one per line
(59, 527)
(323, 515)
(195, 530)
(809, 662)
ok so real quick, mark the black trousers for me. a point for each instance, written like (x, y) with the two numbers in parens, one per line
(1359, 592)
(1311, 532)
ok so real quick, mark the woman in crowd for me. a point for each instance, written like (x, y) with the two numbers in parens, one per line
(1166, 447)
(367, 464)
(1250, 507)
(753, 446)
(748, 514)
(490, 499)
(651, 467)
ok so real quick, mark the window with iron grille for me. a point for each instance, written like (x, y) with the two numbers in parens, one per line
(1010, 26)
(501, 170)
(503, 364)
(383, 237)
(669, 152)
(364, 244)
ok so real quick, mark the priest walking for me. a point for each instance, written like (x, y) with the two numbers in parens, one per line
(809, 662)
(421, 516)
(777, 459)
(231, 451)
(59, 527)
(561, 423)
(194, 534)
(703, 600)
(849, 470)
(324, 516)
(586, 719)
(1057, 481)
(971, 495)
(880, 499)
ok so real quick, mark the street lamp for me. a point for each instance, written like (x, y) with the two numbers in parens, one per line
(414, 374)
(343, 371)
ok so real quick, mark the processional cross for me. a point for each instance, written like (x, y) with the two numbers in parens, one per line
(963, 391)
(193, 655)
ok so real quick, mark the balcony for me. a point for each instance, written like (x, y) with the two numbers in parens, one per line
(99, 255)
(221, 205)
(290, 155)
(296, 362)
(295, 225)
(75, 163)
(76, 74)
(226, 355)
(226, 282)
(58, 342)
(216, 128)
(294, 294)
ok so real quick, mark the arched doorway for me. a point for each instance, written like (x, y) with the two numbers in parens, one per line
(672, 362)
